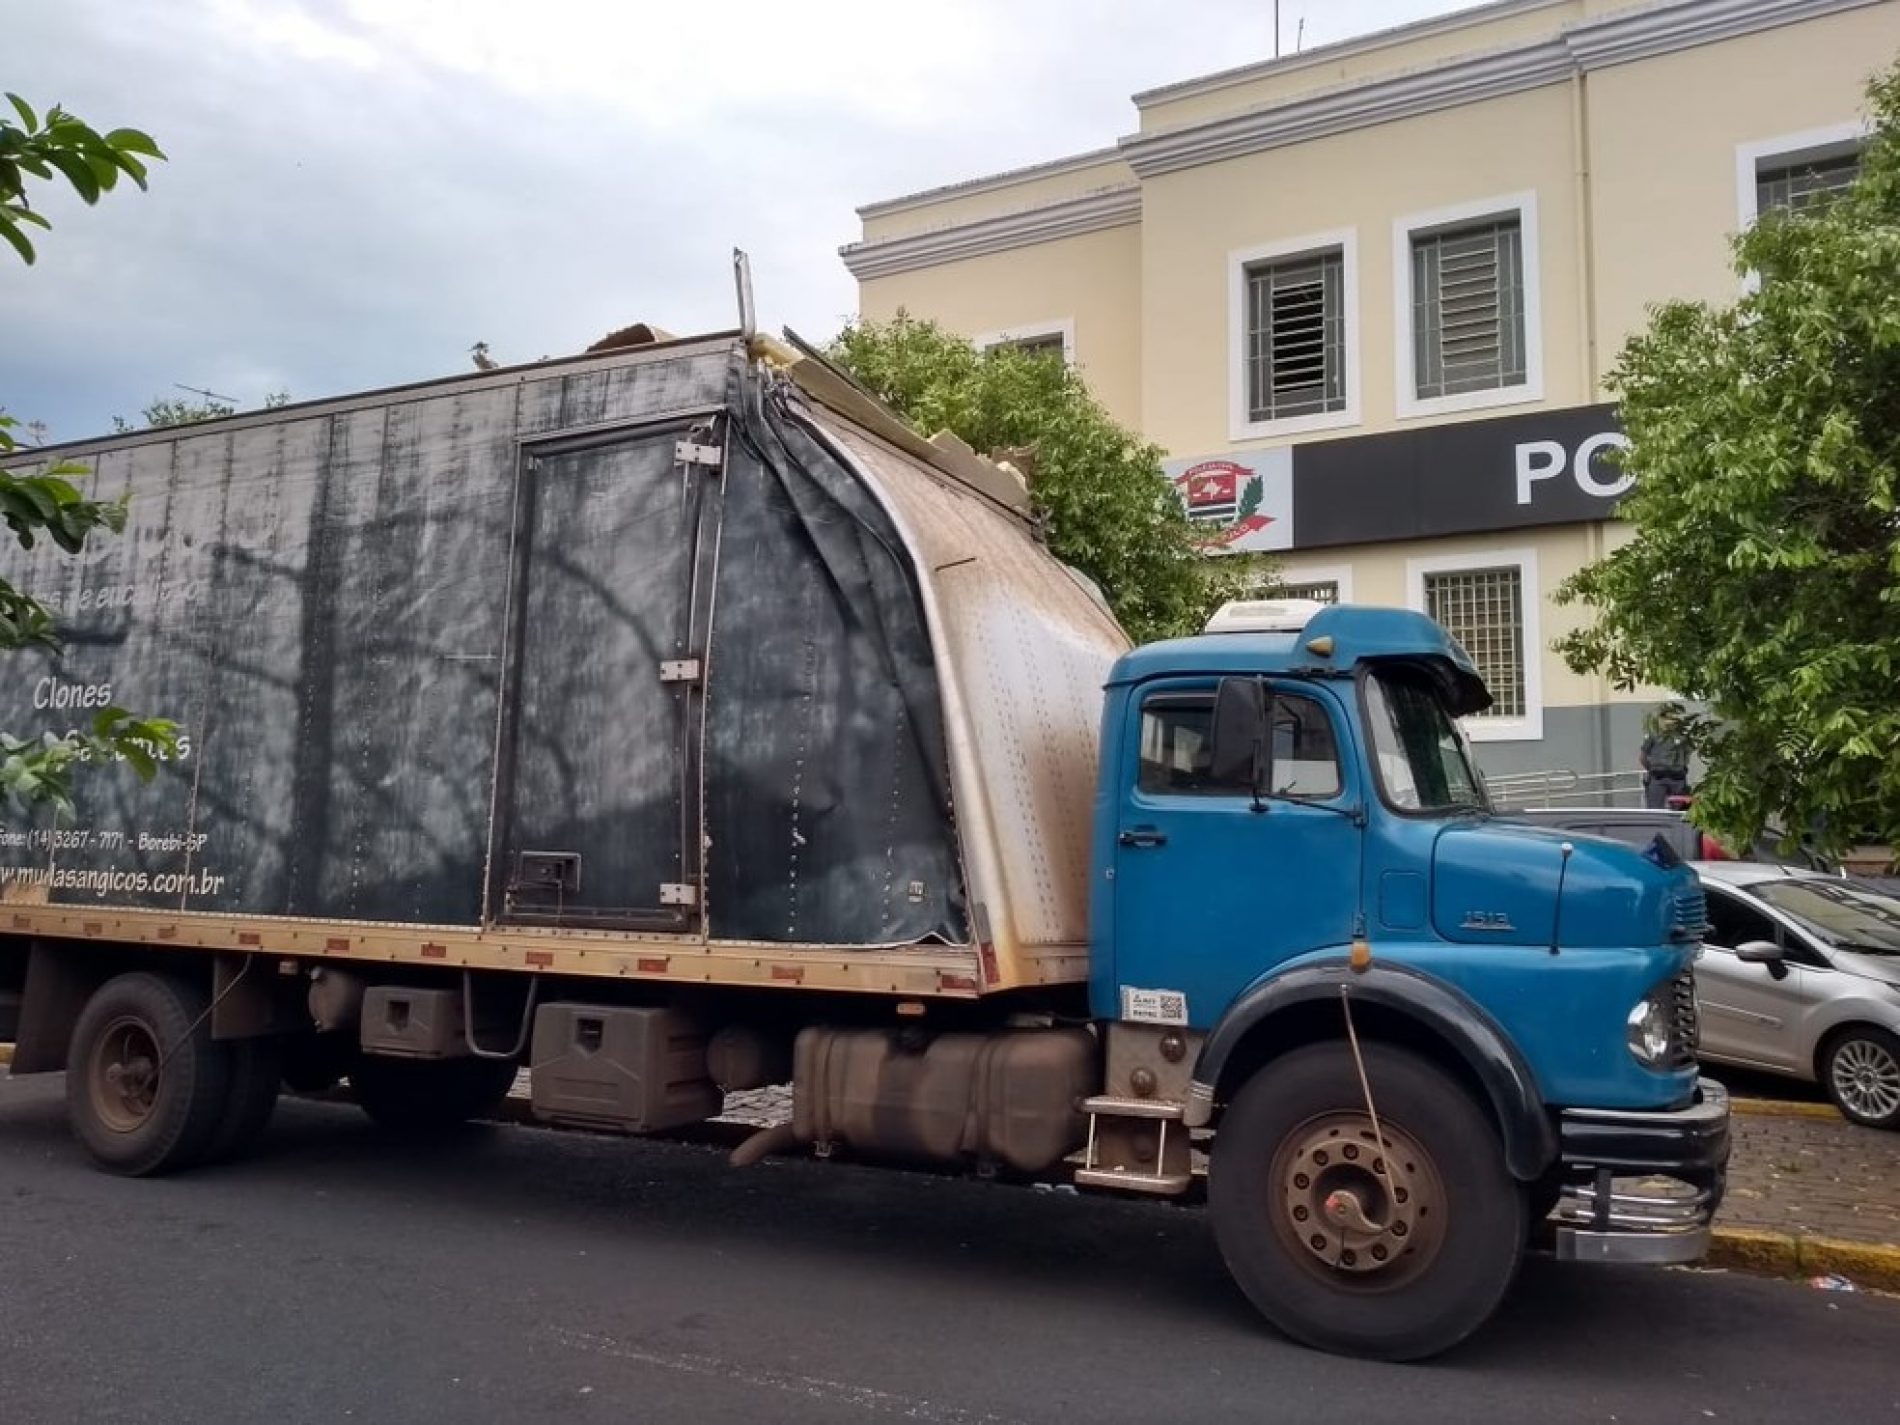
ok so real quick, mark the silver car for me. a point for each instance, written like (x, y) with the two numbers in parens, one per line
(1799, 974)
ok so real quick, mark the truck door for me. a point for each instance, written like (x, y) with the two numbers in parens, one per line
(598, 799)
(1209, 893)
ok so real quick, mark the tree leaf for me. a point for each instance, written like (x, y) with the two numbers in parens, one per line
(78, 173)
(25, 111)
(16, 239)
(134, 141)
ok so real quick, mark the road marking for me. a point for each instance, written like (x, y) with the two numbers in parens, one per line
(833, 1392)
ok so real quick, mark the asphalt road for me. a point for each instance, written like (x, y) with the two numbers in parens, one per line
(525, 1275)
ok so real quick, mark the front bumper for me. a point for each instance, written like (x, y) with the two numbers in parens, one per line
(1642, 1187)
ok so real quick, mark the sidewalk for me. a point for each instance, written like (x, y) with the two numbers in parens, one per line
(1813, 1173)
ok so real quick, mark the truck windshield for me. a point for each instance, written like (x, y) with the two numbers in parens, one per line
(1417, 748)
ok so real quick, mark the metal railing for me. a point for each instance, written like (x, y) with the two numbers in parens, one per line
(1559, 787)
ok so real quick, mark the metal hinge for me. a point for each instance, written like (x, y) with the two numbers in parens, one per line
(679, 670)
(691, 452)
(678, 893)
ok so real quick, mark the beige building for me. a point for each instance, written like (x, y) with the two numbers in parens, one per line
(1365, 296)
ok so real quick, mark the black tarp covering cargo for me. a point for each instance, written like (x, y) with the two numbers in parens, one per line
(621, 645)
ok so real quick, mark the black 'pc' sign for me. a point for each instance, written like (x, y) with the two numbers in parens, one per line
(1466, 477)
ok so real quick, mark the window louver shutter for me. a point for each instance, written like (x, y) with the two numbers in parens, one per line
(1296, 338)
(1468, 309)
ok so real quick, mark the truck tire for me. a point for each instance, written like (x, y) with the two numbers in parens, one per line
(430, 1095)
(257, 1078)
(146, 1084)
(1299, 1195)
(316, 1063)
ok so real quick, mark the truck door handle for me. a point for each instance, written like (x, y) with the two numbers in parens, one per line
(1143, 836)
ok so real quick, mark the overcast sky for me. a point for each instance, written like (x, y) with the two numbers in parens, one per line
(360, 189)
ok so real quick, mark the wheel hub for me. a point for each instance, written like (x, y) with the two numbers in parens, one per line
(1867, 1078)
(123, 1075)
(1352, 1205)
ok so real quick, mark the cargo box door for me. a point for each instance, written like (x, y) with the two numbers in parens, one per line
(599, 781)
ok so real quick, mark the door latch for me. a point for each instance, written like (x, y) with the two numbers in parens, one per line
(1143, 836)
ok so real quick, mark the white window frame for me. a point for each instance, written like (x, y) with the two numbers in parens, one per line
(1338, 574)
(1239, 425)
(1410, 404)
(1482, 727)
(1063, 327)
(1825, 142)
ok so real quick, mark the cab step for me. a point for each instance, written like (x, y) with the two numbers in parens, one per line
(1134, 1107)
(1122, 1180)
(1136, 1145)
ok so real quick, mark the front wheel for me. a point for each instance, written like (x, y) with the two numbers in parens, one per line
(1861, 1072)
(1395, 1245)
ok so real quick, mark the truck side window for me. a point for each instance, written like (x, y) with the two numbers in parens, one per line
(1177, 748)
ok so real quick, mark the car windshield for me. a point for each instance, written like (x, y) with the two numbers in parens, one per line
(1421, 756)
(1841, 915)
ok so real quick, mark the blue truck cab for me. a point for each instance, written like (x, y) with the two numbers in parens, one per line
(1414, 1028)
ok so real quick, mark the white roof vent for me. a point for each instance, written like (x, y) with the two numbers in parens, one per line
(1263, 616)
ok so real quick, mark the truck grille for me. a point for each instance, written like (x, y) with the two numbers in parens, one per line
(1691, 915)
(1688, 1023)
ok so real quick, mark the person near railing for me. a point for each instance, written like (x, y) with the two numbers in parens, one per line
(1665, 760)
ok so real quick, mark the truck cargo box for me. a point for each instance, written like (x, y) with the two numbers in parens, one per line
(669, 662)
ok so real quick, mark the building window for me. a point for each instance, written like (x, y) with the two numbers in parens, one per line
(1038, 346)
(1055, 337)
(1322, 583)
(1489, 603)
(1469, 317)
(1296, 337)
(1484, 610)
(1293, 321)
(1468, 309)
(1804, 183)
(1796, 171)
(1320, 591)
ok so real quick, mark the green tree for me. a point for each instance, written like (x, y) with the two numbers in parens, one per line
(1098, 489)
(38, 498)
(1763, 579)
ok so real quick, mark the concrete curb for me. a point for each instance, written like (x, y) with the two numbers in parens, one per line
(1782, 1254)
(1784, 1108)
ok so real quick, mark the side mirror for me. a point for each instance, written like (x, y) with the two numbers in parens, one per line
(1763, 952)
(1242, 752)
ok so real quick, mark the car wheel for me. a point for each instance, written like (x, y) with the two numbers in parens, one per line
(1861, 1072)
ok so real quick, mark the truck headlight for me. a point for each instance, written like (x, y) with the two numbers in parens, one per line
(1651, 1029)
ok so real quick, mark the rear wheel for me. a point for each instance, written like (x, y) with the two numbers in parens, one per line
(430, 1095)
(1395, 1245)
(314, 1063)
(257, 1078)
(1861, 1072)
(146, 1084)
